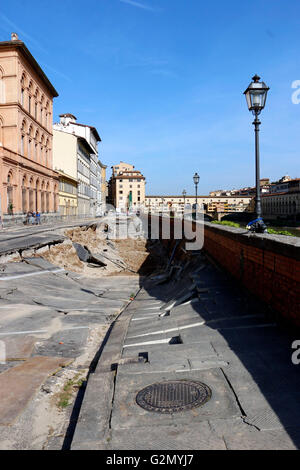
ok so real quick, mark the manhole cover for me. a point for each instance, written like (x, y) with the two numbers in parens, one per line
(171, 397)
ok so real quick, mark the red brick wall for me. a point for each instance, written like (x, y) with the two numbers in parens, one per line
(262, 269)
(265, 264)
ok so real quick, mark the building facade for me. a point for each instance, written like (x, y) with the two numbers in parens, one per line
(65, 163)
(101, 188)
(86, 160)
(85, 199)
(281, 205)
(126, 188)
(283, 199)
(27, 179)
(67, 195)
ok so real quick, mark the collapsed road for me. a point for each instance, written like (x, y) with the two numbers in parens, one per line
(194, 362)
(151, 348)
(55, 310)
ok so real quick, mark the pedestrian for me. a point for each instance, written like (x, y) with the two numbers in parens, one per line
(28, 218)
(33, 218)
(38, 218)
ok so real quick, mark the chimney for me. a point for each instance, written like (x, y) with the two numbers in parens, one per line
(65, 119)
(14, 37)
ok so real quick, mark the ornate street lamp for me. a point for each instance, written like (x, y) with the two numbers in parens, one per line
(256, 95)
(184, 195)
(196, 179)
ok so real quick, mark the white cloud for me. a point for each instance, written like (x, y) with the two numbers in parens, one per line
(138, 5)
(8, 26)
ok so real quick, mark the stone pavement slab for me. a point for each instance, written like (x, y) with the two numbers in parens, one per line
(65, 343)
(127, 414)
(173, 437)
(263, 440)
(18, 347)
(29, 242)
(19, 384)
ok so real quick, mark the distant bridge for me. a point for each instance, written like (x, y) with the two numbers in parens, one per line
(238, 216)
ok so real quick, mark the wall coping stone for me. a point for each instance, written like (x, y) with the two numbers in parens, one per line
(282, 244)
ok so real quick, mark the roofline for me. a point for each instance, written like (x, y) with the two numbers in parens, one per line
(82, 139)
(123, 177)
(67, 115)
(206, 197)
(64, 132)
(20, 45)
(282, 193)
(91, 127)
(65, 175)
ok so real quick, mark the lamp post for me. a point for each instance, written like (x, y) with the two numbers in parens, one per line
(196, 179)
(256, 95)
(184, 194)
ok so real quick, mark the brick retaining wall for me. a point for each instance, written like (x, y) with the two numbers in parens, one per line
(267, 265)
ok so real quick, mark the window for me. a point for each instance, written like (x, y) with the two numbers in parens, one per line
(22, 144)
(29, 104)
(35, 110)
(120, 192)
(22, 96)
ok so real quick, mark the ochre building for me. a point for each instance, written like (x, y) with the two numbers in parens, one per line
(126, 188)
(27, 179)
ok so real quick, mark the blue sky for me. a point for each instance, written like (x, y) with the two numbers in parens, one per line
(162, 81)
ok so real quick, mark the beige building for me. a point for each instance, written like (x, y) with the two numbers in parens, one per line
(27, 179)
(281, 205)
(126, 187)
(65, 163)
(88, 175)
(103, 184)
(211, 204)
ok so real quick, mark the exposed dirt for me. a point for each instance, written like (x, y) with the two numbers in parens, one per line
(64, 255)
(138, 255)
(87, 238)
(123, 257)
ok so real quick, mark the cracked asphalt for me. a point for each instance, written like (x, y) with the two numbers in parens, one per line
(50, 320)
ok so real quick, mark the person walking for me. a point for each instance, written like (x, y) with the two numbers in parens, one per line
(29, 217)
(38, 218)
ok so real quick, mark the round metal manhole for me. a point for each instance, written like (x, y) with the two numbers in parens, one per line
(174, 396)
